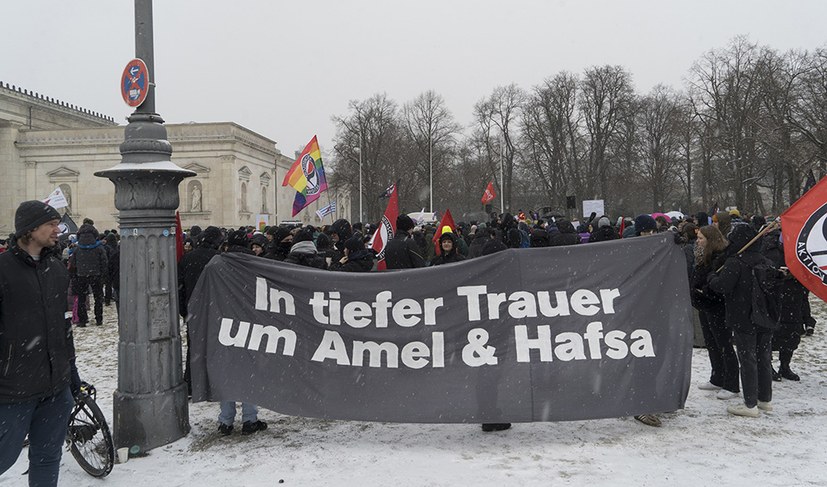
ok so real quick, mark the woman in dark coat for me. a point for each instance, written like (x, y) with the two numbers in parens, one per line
(709, 247)
(752, 342)
(448, 250)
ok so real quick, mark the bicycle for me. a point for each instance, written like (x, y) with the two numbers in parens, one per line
(88, 436)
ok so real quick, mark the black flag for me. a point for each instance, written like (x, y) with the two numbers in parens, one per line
(67, 225)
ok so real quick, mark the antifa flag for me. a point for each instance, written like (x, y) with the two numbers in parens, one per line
(489, 194)
(490, 340)
(447, 221)
(67, 225)
(804, 230)
(387, 227)
(306, 176)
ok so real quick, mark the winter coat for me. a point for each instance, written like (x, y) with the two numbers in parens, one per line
(448, 257)
(360, 261)
(402, 252)
(794, 306)
(189, 270)
(35, 342)
(566, 235)
(91, 257)
(734, 281)
(602, 234)
(304, 254)
(703, 298)
(475, 249)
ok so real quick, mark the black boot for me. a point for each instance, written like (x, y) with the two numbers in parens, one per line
(786, 357)
(789, 374)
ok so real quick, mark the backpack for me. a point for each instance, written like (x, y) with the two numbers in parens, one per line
(766, 302)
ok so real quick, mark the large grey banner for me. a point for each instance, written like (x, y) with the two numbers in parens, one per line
(549, 334)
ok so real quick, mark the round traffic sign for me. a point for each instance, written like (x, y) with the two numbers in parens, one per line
(135, 83)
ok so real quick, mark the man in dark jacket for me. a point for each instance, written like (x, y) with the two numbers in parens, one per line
(35, 345)
(401, 251)
(90, 265)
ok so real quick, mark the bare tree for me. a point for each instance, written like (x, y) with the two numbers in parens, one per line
(658, 117)
(496, 124)
(431, 128)
(371, 129)
(604, 100)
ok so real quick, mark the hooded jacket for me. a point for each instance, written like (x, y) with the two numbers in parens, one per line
(304, 253)
(734, 281)
(448, 257)
(91, 257)
(35, 341)
(566, 235)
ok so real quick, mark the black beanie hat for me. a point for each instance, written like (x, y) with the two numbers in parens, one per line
(404, 223)
(238, 237)
(354, 244)
(32, 214)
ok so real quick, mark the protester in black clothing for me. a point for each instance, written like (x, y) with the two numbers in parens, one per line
(401, 252)
(279, 246)
(238, 242)
(89, 266)
(448, 250)
(539, 238)
(37, 348)
(794, 307)
(752, 342)
(709, 248)
(566, 235)
(303, 252)
(604, 231)
(189, 270)
(356, 257)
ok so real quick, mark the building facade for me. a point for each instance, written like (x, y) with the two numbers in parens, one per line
(45, 144)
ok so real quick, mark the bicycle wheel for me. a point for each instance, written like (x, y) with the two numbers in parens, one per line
(89, 438)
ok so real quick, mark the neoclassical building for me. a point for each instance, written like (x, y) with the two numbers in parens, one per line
(46, 143)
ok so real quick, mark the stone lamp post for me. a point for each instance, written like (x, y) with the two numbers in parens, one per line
(150, 403)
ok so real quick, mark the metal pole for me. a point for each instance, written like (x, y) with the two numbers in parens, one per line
(360, 176)
(431, 166)
(150, 403)
(502, 178)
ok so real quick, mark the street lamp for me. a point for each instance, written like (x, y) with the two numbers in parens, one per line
(150, 403)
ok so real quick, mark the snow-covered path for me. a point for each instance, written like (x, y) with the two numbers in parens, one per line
(698, 446)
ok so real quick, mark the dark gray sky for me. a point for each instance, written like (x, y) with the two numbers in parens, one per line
(283, 68)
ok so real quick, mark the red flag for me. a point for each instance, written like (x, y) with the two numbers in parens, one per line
(447, 221)
(804, 229)
(489, 193)
(179, 238)
(386, 230)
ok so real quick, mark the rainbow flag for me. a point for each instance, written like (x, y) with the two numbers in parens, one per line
(306, 176)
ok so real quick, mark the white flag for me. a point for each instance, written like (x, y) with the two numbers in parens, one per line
(57, 199)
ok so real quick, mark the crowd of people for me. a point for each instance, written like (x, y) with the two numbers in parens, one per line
(721, 252)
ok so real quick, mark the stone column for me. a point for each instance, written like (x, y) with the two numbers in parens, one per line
(150, 404)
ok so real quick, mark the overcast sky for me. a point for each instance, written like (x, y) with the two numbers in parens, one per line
(283, 68)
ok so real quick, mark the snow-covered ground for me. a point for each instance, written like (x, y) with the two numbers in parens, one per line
(699, 446)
